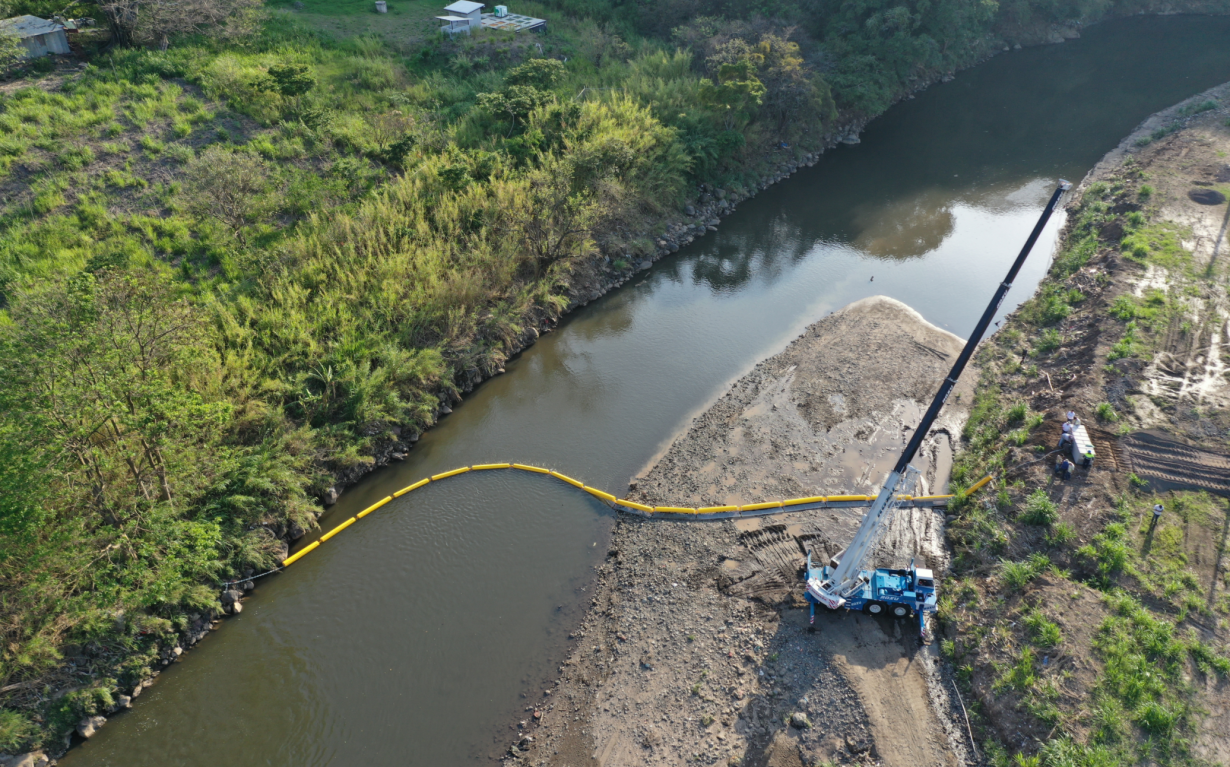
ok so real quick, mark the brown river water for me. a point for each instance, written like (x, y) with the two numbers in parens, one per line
(409, 638)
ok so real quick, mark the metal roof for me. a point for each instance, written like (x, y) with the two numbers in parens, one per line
(464, 6)
(30, 26)
(453, 18)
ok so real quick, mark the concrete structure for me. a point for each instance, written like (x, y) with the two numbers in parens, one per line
(512, 22)
(39, 36)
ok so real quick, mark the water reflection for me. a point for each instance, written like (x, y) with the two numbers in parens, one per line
(906, 228)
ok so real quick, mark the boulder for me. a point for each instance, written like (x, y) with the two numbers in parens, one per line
(330, 496)
(31, 759)
(231, 596)
(800, 721)
(123, 701)
(90, 725)
(236, 608)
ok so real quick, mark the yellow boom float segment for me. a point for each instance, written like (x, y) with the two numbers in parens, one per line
(596, 492)
(338, 529)
(373, 507)
(447, 474)
(799, 501)
(411, 488)
(568, 479)
(535, 469)
(291, 560)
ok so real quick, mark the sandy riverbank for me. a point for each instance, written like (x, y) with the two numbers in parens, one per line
(695, 649)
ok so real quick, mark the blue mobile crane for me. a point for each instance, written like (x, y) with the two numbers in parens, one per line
(843, 582)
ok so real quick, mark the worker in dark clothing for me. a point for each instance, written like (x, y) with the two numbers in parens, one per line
(1065, 441)
(1063, 469)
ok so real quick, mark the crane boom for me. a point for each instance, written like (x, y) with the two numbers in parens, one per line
(844, 578)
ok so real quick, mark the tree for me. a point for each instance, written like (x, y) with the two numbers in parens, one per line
(515, 103)
(392, 133)
(99, 369)
(156, 22)
(557, 216)
(736, 91)
(227, 186)
(291, 80)
(538, 73)
(12, 53)
(791, 92)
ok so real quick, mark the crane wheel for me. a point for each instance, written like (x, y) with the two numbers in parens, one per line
(874, 608)
(900, 611)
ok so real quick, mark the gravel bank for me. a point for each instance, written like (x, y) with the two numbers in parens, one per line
(695, 649)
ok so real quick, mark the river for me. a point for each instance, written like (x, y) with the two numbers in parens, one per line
(409, 639)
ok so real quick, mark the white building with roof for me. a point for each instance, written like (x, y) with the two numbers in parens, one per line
(39, 36)
(467, 10)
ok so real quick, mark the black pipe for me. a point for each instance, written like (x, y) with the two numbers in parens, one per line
(941, 396)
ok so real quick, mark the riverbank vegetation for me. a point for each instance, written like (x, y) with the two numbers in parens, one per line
(1088, 630)
(239, 262)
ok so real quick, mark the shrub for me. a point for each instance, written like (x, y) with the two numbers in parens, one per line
(152, 145)
(1156, 719)
(1108, 553)
(1061, 534)
(1128, 346)
(1021, 675)
(76, 157)
(1016, 414)
(15, 730)
(1017, 575)
(1048, 341)
(1105, 412)
(1042, 632)
(537, 73)
(1040, 510)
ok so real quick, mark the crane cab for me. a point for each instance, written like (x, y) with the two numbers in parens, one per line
(904, 593)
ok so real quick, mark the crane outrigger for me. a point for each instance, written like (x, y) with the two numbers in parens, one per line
(843, 582)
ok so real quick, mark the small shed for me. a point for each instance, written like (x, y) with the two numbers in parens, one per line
(455, 25)
(469, 10)
(39, 36)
